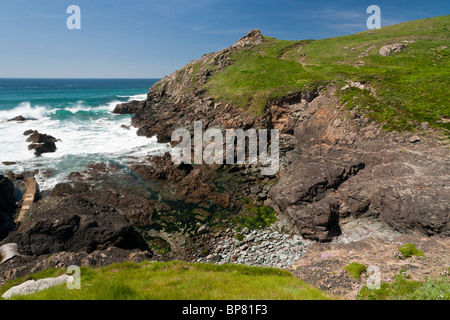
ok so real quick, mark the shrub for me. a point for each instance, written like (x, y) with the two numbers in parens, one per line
(432, 289)
(402, 288)
(408, 250)
(356, 269)
(445, 272)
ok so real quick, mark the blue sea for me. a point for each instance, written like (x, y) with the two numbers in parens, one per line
(79, 113)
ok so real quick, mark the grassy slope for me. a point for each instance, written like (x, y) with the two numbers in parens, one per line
(177, 281)
(411, 86)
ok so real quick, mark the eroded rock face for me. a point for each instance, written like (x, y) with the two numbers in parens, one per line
(333, 165)
(182, 182)
(338, 172)
(180, 99)
(139, 210)
(73, 224)
(129, 107)
(253, 38)
(307, 194)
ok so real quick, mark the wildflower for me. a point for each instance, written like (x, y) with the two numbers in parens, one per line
(399, 255)
(444, 273)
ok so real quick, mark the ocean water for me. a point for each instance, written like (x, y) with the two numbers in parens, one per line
(79, 113)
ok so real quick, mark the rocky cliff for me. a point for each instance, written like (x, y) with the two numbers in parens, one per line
(345, 173)
(338, 165)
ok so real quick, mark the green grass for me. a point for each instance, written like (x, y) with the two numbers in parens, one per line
(259, 74)
(178, 281)
(355, 269)
(408, 250)
(411, 86)
(402, 288)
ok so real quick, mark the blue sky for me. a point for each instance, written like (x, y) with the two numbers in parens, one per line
(153, 38)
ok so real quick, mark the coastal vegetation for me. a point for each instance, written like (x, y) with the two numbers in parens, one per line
(401, 91)
(177, 280)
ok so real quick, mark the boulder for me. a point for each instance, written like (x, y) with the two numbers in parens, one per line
(203, 230)
(33, 286)
(414, 139)
(36, 137)
(386, 51)
(40, 148)
(9, 163)
(162, 168)
(20, 119)
(41, 143)
(28, 132)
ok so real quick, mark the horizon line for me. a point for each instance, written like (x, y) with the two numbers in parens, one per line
(79, 78)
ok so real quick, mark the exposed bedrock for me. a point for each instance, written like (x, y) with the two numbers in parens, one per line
(74, 224)
(7, 206)
(335, 164)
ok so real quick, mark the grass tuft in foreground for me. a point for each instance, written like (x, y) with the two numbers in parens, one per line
(403, 288)
(178, 281)
(355, 269)
(408, 250)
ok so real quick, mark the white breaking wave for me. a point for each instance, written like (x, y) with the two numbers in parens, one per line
(138, 97)
(109, 138)
(111, 105)
(78, 107)
(25, 110)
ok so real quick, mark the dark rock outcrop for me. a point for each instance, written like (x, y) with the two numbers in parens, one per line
(139, 210)
(339, 172)
(41, 143)
(129, 107)
(7, 206)
(182, 182)
(253, 38)
(334, 165)
(162, 168)
(40, 148)
(73, 224)
(20, 119)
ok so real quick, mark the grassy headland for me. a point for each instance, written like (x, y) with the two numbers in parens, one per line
(407, 88)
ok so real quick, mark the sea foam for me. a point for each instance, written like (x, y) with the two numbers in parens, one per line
(105, 137)
(25, 110)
